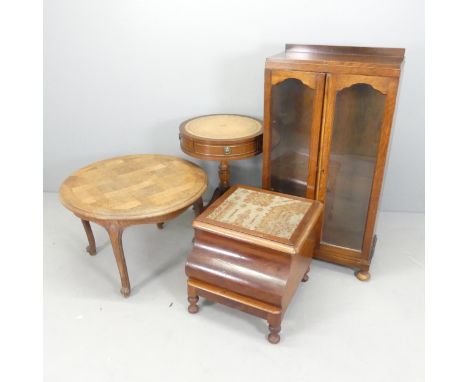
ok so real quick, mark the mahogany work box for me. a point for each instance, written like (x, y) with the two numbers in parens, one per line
(251, 249)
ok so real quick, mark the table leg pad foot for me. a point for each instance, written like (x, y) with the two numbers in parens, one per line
(91, 251)
(125, 292)
(193, 307)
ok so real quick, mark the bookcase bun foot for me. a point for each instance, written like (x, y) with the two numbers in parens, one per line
(362, 275)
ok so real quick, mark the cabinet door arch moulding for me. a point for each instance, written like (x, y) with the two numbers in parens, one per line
(294, 115)
(278, 76)
(347, 80)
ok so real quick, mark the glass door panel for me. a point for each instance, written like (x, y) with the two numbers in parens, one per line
(291, 118)
(357, 120)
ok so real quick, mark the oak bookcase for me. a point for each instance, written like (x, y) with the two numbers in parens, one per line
(327, 120)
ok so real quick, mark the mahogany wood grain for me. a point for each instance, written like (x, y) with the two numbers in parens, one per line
(247, 274)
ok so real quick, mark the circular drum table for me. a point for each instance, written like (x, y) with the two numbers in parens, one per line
(222, 137)
(135, 189)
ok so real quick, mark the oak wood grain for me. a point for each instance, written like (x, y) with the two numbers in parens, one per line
(135, 189)
(344, 68)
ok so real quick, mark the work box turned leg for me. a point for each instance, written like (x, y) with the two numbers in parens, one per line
(115, 234)
(192, 299)
(91, 248)
(274, 324)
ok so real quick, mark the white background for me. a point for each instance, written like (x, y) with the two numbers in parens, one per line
(21, 100)
(120, 75)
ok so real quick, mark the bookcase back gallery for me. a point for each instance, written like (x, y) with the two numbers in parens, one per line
(327, 121)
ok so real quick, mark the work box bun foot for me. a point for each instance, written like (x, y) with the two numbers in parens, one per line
(274, 325)
(274, 336)
(193, 307)
(193, 300)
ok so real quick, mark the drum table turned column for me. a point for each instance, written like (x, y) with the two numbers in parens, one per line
(135, 189)
(221, 137)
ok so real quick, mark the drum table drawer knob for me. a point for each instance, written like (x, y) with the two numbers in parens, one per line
(227, 150)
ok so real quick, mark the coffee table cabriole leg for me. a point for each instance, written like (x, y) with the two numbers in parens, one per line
(115, 233)
(91, 248)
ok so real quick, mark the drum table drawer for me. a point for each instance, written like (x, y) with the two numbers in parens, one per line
(230, 151)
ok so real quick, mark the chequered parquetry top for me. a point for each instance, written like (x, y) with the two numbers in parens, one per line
(261, 211)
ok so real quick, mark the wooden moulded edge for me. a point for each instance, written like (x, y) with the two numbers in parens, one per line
(245, 237)
(103, 216)
(385, 62)
(232, 296)
(220, 141)
(291, 246)
(346, 50)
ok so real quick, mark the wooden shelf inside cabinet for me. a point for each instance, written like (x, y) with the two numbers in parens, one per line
(327, 121)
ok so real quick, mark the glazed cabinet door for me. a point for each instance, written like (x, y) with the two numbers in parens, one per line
(292, 119)
(356, 129)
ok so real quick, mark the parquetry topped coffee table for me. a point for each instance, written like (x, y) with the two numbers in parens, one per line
(135, 189)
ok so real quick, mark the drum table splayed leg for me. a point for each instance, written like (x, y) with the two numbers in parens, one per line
(252, 248)
(135, 189)
(221, 137)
